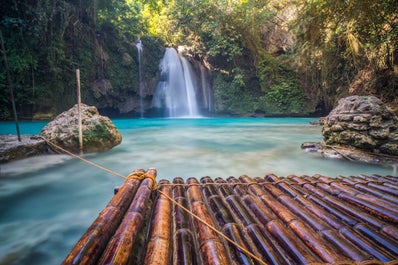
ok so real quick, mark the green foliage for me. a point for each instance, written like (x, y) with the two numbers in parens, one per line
(47, 40)
(124, 16)
(338, 39)
(230, 96)
(285, 99)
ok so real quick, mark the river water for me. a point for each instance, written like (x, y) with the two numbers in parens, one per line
(47, 202)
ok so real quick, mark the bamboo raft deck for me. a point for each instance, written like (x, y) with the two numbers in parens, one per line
(244, 220)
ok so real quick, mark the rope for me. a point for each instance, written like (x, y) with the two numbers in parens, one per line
(82, 159)
(209, 184)
(142, 175)
(243, 249)
(134, 175)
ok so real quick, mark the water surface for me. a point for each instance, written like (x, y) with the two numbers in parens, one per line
(47, 202)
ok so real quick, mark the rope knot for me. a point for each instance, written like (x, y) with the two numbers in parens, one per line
(141, 174)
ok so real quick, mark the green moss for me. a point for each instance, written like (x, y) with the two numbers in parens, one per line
(98, 133)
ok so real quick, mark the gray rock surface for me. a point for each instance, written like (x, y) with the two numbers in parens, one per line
(360, 128)
(11, 149)
(99, 133)
(362, 122)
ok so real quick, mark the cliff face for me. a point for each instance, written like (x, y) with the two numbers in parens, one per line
(117, 89)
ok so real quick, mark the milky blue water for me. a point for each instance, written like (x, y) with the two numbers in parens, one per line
(47, 202)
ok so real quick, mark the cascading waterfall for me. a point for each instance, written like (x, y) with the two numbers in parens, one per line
(176, 91)
(190, 88)
(141, 83)
(207, 95)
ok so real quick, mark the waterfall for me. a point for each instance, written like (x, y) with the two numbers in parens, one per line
(190, 87)
(141, 83)
(207, 93)
(176, 90)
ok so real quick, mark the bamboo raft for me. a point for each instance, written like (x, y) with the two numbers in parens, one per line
(269, 220)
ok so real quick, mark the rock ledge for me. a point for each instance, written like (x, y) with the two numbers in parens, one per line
(360, 128)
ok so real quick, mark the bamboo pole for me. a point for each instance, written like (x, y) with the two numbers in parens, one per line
(267, 246)
(375, 192)
(320, 220)
(232, 231)
(298, 250)
(319, 212)
(391, 231)
(331, 235)
(210, 246)
(391, 191)
(348, 215)
(184, 249)
(239, 210)
(91, 245)
(220, 212)
(377, 210)
(288, 210)
(230, 222)
(158, 246)
(118, 250)
(388, 244)
(366, 245)
(10, 87)
(181, 218)
(269, 249)
(346, 247)
(79, 111)
(178, 190)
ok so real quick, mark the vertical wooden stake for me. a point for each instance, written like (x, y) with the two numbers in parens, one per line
(14, 109)
(79, 111)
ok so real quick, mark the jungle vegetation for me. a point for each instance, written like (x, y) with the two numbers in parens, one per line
(267, 57)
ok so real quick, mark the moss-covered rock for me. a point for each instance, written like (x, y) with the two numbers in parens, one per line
(99, 133)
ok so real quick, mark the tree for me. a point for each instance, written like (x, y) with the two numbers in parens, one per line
(340, 38)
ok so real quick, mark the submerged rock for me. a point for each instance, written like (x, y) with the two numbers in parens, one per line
(360, 128)
(99, 133)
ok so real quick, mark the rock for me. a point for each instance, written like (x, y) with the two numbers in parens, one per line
(311, 146)
(321, 121)
(99, 133)
(360, 128)
(11, 149)
(362, 122)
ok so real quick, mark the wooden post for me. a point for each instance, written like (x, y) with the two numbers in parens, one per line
(14, 109)
(79, 111)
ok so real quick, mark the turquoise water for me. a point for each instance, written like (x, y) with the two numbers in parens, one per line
(47, 202)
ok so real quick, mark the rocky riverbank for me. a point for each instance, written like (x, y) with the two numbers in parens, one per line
(360, 128)
(30, 145)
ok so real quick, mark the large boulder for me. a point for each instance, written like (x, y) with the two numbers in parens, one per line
(360, 128)
(99, 133)
(362, 122)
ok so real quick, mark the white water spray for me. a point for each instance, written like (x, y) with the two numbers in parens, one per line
(176, 91)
